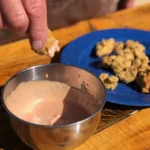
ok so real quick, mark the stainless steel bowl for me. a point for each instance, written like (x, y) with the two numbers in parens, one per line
(65, 137)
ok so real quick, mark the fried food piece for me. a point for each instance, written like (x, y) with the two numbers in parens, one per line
(143, 68)
(110, 82)
(51, 46)
(120, 64)
(127, 75)
(128, 54)
(138, 54)
(141, 64)
(145, 59)
(117, 63)
(118, 47)
(105, 47)
(134, 45)
(122, 61)
(143, 80)
(129, 63)
(108, 60)
(103, 76)
(137, 63)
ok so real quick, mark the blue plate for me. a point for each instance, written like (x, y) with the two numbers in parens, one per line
(79, 53)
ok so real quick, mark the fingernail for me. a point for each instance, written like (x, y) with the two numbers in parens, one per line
(37, 45)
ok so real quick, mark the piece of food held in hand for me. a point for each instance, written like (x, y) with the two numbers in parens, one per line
(51, 46)
(127, 60)
(48, 103)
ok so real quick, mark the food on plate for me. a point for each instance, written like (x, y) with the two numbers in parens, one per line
(134, 45)
(143, 80)
(128, 61)
(105, 47)
(128, 75)
(128, 54)
(108, 60)
(118, 47)
(120, 64)
(137, 62)
(51, 46)
(110, 82)
(142, 64)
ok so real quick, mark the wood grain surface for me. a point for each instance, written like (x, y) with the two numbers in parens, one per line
(132, 133)
(129, 134)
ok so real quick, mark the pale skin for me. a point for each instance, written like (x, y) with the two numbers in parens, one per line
(26, 17)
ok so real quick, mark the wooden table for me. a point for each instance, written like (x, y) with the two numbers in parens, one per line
(121, 128)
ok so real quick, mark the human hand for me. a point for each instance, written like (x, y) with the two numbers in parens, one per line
(26, 16)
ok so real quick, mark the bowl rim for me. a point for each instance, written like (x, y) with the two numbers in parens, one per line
(49, 126)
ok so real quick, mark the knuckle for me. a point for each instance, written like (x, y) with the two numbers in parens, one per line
(36, 33)
(19, 21)
(38, 28)
(35, 8)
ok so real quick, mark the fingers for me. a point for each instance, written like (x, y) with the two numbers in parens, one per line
(15, 15)
(26, 15)
(37, 13)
